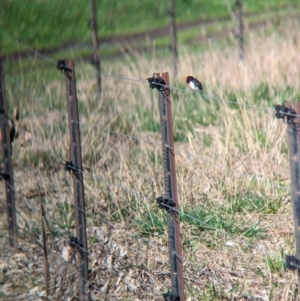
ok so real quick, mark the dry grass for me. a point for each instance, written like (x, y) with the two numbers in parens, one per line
(232, 169)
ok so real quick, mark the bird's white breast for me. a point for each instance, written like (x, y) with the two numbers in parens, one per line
(193, 86)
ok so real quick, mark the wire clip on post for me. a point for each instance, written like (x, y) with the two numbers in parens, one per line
(4, 176)
(2, 113)
(288, 115)
(285, 113)
(292, 263)
(171, 297)
(156, 82)
(91, 24)
(75, 244)
(164, 203)
(62, 65)
(69, 166)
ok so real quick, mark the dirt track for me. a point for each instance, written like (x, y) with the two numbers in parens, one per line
(154, 34)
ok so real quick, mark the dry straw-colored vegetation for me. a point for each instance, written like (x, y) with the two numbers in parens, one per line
(232, 169)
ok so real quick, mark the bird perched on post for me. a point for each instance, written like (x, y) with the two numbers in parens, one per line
(194, 83)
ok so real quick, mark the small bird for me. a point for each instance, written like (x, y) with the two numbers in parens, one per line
(194, 83)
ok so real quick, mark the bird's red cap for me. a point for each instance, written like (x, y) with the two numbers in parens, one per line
(188, 78)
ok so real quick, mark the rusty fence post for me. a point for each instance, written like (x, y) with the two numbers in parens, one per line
(75, 166)
(173, 33)
(240, 35)
(6, 137)
(170, 199)
(96, 58)
(289, 113)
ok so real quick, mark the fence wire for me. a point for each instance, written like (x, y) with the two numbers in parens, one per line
(138, 194)
(200, 93)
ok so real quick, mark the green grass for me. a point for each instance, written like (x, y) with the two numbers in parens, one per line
(275, 262)
(215, 220)
(153, 223)
(63, 218)
(30, 231)
(253, 202)
(186, 38)
(234, 204)
(46, 24)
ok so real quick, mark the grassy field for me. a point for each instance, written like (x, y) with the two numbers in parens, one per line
(48, 24)
(232, 170)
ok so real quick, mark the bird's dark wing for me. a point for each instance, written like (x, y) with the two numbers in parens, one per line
(198, 84)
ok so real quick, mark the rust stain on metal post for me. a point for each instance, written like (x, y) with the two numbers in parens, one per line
(294, 152)
(174, 239)
(75, 156)
(96, 57)
(7, 164)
